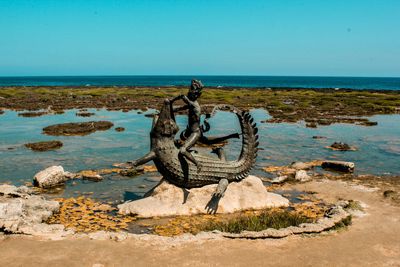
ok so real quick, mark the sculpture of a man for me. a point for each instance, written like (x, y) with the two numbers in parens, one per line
(194, 131)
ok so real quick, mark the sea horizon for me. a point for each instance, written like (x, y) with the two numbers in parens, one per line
(249, 81)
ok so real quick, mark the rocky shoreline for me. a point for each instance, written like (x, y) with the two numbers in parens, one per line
(315, 106)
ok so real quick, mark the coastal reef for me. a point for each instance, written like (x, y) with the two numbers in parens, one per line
(77, 128)
(315, 106)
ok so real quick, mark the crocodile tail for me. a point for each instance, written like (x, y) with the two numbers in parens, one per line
(250, 144)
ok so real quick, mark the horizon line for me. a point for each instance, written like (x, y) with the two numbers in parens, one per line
(193, 75)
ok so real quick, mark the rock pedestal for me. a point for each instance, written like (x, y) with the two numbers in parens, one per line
(167, 199)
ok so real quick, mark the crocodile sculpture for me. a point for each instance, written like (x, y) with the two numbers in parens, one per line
(183, 173)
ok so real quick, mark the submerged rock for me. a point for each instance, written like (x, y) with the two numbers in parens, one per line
(120, 129)
(342, 166)
(1, 111)
(340, 146)
(90, 175)
(32, 113)
(51, 176)
(22, 212)
(77, 128)
(84, 114)
(370, 123)
(167, 199)
(44, 146)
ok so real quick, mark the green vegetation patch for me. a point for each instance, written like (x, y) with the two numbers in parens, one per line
(263, 221)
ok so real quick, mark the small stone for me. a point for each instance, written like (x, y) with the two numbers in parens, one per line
(120, 129)
(302, 176)
(91, 175)
(280, 179)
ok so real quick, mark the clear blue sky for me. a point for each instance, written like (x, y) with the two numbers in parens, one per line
(333, 38)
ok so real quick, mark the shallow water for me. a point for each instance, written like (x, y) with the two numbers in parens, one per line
(378, 148)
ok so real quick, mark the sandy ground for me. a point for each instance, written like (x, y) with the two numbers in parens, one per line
(372, 240)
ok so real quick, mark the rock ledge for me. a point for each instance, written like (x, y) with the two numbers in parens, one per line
(167, 199)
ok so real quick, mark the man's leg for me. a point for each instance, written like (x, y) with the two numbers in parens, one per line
(190, 142)
(215, 140)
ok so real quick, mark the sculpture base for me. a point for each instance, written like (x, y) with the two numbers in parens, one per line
(167, 199)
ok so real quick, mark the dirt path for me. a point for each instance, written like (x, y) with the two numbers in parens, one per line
(372, 240)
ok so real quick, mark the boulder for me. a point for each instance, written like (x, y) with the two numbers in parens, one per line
(51, 176)
(22, 212)
(166, 199)
(302, 176)
(335, 165)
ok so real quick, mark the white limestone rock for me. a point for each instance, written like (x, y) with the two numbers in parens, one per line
(51, 176)
(167, 199)
(22, 212)
(302, 176)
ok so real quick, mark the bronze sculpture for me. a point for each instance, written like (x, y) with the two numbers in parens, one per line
(188, 169)
(194, 132)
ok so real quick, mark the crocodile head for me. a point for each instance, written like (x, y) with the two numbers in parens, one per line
(164, 124)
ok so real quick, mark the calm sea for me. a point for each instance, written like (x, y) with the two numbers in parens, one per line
(214, 81)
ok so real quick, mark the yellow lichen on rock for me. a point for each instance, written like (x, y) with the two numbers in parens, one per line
(85, 215)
